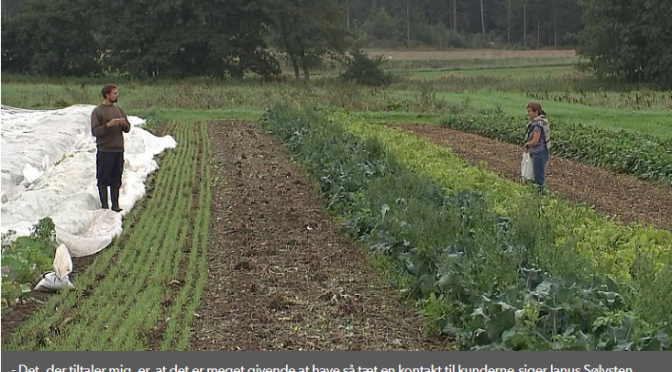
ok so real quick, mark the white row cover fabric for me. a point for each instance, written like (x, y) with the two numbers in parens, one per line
(49, 170)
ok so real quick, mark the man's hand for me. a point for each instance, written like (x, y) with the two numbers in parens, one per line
(116, 121)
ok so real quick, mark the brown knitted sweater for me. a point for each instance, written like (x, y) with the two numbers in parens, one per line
(108, 139)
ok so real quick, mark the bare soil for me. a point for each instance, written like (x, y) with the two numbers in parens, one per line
(611, 194)
(281, 274)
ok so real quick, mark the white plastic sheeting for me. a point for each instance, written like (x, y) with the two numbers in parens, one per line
(48, 170)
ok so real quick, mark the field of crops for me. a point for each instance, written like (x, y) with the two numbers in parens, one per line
(156, 270)
(487, 263)
(493, 265)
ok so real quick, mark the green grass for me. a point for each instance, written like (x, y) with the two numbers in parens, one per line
(211, 95)
(246, 101)
(654, 122)
(641, 99)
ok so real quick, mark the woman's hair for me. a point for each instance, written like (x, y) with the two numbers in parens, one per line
(536, 106)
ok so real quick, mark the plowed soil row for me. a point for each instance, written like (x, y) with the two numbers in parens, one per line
(281, 275)
(611, 194)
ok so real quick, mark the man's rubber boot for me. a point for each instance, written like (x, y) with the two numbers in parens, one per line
(115, 199)
(102, 193)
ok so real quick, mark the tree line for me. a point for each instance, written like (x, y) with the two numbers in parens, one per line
(464, 23)
(168, 38)
(178, 38)
(629, 39)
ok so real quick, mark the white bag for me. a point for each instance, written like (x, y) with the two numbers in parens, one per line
(526, 167)
(57, 279)
(62, 262)
(52, 283)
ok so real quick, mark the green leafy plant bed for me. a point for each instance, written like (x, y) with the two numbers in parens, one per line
(491, 265)
(25, 259)
(645, 157)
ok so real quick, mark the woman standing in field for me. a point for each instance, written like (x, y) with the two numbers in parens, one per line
(538, 143)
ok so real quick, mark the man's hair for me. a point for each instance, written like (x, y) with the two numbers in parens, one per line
(107, 88)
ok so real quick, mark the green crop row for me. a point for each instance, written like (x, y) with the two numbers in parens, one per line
(493, 266)
(643, 156)
(133, 292)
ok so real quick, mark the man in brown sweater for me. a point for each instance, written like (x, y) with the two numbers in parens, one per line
(108, 122)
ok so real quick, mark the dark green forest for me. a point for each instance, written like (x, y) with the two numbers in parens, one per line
(625, 39)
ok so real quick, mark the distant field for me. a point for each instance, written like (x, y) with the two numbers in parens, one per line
(513, 72)
(473, 59)
(453, 60)
(470, 54)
